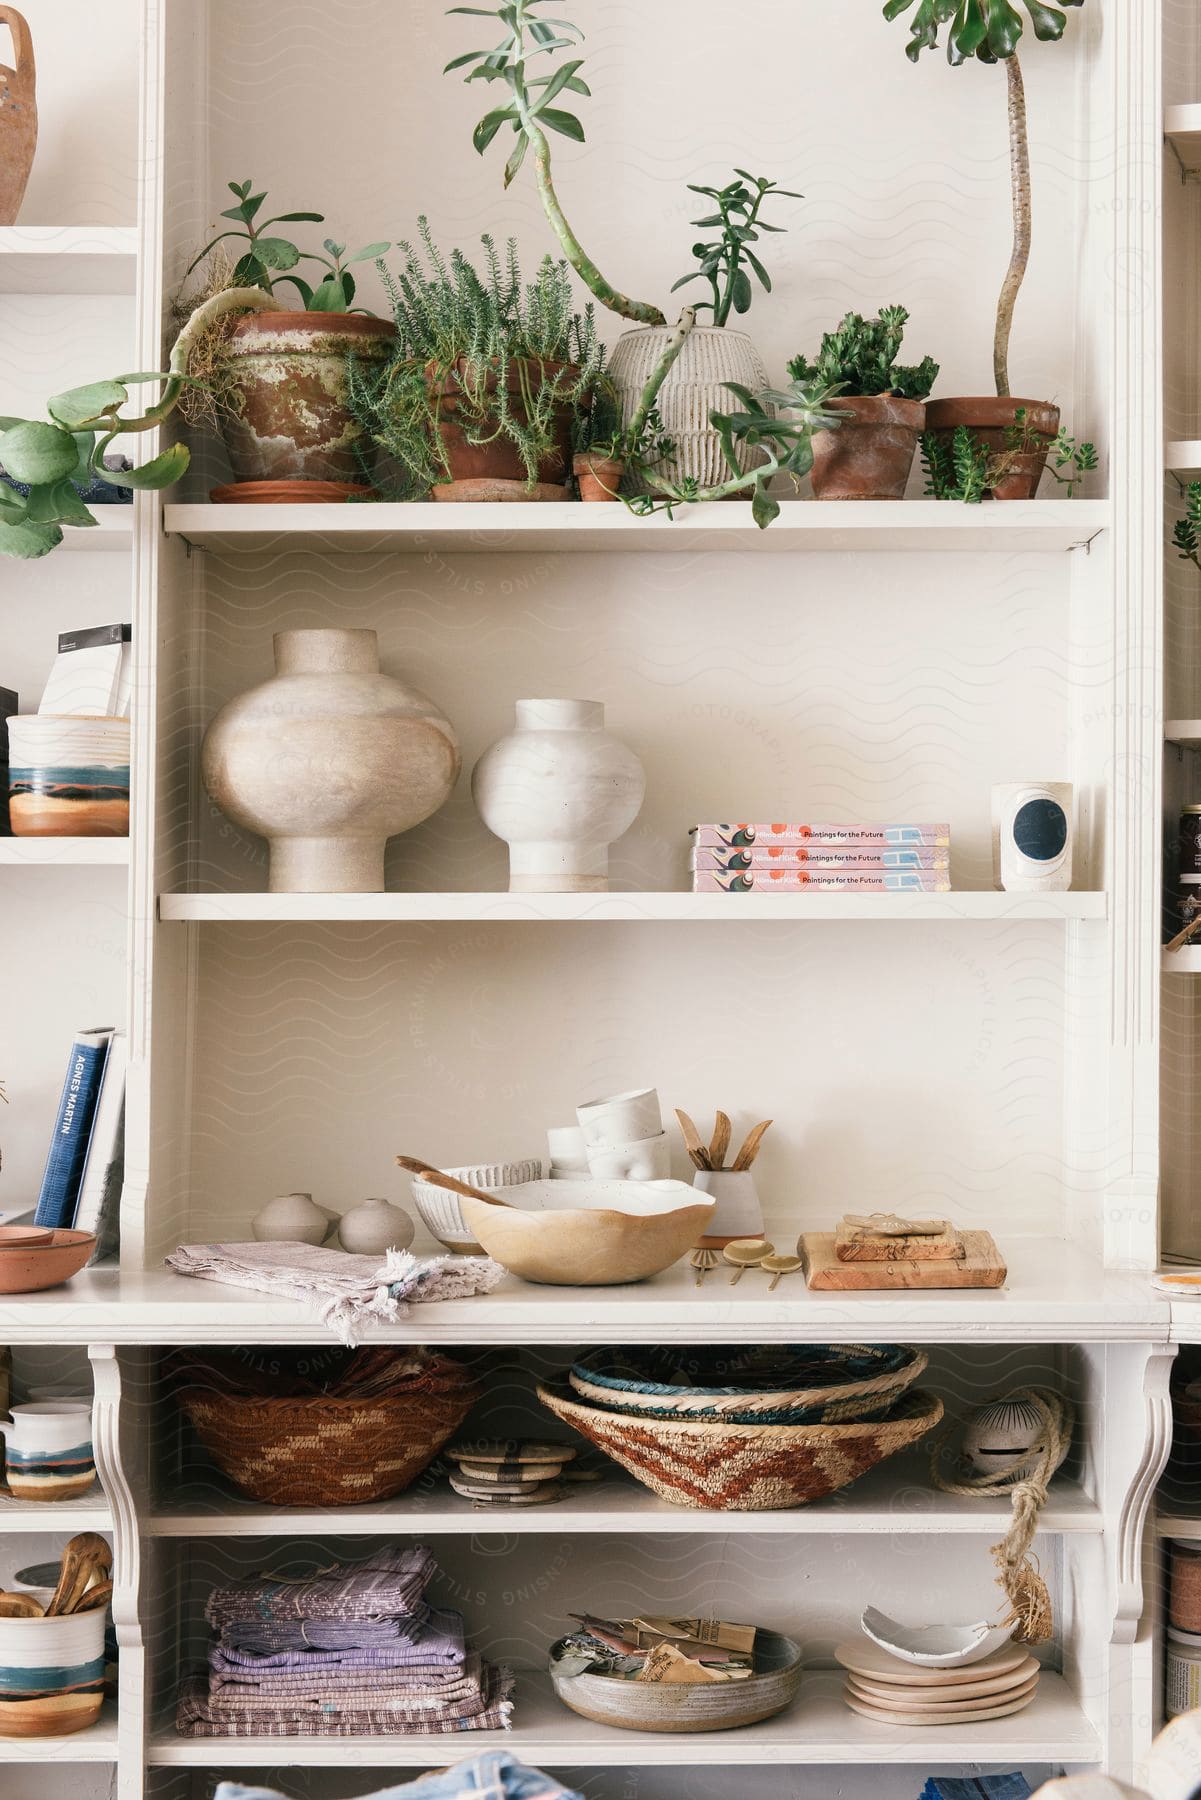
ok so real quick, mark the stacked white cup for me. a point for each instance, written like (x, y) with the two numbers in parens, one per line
(624, 1139)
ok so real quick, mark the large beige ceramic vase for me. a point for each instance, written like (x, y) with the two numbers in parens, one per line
(18, 117)
(328, 760)
(712, 355)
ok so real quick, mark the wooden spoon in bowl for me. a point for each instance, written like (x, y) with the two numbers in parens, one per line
(416, 1166)
(20, 1606)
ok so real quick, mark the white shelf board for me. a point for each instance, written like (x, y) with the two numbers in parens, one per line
(63, 852)
(1048, 525)
(1184, 732)
(894, 1498)
(1176, 1525)
(1182, 457)
(113, 530)
(91, 1512)
(96, 1745)
(1055, 1293)
(1185, 961)
(68, 259)
(817, 1728)
(676, 908)
(1182, 128)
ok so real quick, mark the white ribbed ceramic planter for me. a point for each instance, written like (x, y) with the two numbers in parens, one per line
(712, 355)
(558, 790)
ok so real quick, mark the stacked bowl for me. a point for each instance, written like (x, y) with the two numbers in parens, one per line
(747, 1430)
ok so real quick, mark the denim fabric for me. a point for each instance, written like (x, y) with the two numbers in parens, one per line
(980, 1787)
(499, 1776)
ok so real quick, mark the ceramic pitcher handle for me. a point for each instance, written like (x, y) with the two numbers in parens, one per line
(23, 76)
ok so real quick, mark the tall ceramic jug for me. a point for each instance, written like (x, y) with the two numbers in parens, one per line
(18, 117)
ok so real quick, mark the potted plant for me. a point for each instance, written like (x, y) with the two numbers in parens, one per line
(960, 466)
(276, 380)
(602, 446)
(753, 446)
(486, 377)
(990, 31)
(871, 454)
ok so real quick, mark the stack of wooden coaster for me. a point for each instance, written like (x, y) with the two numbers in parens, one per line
(887, 1687)
(504, 1472)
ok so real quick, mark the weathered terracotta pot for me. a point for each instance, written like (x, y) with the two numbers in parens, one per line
(498, 460)
(18, 117)
(871, 453)
(988, 418)
(288, 493)
(599, 477)
(291, 418)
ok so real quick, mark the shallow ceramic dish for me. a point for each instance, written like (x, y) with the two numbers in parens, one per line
(16, 1237)
(439, 1206)
(935, 1646)
(700, 1706)
(745, 1468)
(797, 1384)
(589, 1233)
(28, 1268)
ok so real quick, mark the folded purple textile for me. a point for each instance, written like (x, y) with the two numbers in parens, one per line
(436, 1645)
(198, 1715)
(387, 1584)
(266, 1637)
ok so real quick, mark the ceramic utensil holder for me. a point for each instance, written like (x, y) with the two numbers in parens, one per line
(48, 1450)
(51, 1674)
(617, 1120)
(1032, 837)
(738, 1213)
(68, 776)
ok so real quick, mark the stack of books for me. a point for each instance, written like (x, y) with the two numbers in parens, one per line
(81, 1186)
(786, 859)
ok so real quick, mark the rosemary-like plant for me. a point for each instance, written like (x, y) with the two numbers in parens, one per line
(511, 354)
(861, 357)
(1186, 534)
(956, 468)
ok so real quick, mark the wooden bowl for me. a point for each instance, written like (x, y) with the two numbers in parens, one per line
(589, 1233)
(28, 1268)
(703, 1706)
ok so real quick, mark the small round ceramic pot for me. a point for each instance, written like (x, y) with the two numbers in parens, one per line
(48, 1450)
(374, 1227)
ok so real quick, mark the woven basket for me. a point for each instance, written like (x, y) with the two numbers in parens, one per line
(745, 1468)
(806, 1385)
(687, 1706)
(321, 1450)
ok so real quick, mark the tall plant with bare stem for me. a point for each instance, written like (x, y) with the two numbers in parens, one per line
(530, 111)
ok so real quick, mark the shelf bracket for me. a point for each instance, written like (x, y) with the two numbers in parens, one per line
(1136, 1502)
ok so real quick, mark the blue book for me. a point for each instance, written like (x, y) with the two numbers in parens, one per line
(63, 1174)
(981, 1787)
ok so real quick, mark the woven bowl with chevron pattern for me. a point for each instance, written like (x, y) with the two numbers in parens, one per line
(795, 1384)
(745, 1468)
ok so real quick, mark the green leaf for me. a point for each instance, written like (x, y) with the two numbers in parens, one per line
(764, 508)
(743, 292)
(78, 407)
(554, 84)
(250, 272)
(1004, 28)
(234, 212)
(1048, 21)
(58, 505)
(369, 253)
(276, 253)
(970, 28)
(489, 125)
(39, 454)
(13, 510)
(476, 12)
(335, 249)
(302, 288)
(301, 218)
(328, 296)
(516, 158)
(761, 272)
(563, 122)
(29, 541)
(162, 471)
(460, 62)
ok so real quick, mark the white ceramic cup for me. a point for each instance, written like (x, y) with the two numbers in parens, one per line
(48, 1449)
(617, 1120)
(568, 1153)
(647, 1160)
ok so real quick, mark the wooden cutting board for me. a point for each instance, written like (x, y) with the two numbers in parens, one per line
(852, 1243)
(980, 1267)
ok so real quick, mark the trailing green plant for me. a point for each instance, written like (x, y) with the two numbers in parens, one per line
(860, 356)
(469, 332)
(722, 260)
(1186, 533)
(965, 468)
(1078, 459)
(990, 31)
(600, 429)
(55, 456)
(268, 260)
(957, 468)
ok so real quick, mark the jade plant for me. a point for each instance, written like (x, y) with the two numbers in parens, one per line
(723, 261)
(860, 357)
(55, 457)
(268, 260)
(991, 31)
(529, 111)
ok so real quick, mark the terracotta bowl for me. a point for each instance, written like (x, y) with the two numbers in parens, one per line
(589, 1233)
(27, 1268)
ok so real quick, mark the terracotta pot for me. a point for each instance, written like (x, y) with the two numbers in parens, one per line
(599, 477)
(988, 418)
(291, 417)
(18, 117)
(485, 488)
(498, 460)
(289, 493)
(871, 453)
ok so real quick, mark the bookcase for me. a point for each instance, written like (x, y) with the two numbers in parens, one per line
(994, 1056)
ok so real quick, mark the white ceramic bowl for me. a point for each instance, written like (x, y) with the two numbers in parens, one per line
(935, 1646)
(589, 1233)
(647, 1160)
(440, 1207)
(617, 1119)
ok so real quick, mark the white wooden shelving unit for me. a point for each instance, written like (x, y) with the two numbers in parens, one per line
(1003, 1061)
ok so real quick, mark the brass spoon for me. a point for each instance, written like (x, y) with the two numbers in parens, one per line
(775, 1266)
(702, 1261)
(745, 1253)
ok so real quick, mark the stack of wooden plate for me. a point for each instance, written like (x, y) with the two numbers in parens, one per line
(505, 1472)
(880, 1686)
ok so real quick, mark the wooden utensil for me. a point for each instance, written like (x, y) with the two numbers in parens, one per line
(750, 1148)
(95, 1597)
(720, 1142)
(20, 1606)
(692, 1141)
(776, 1265)
(745, 1253)
(416, 1166)
(702, 1261)
(87, 1556)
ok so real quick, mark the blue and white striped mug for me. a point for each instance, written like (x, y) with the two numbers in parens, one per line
(48, 1450)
